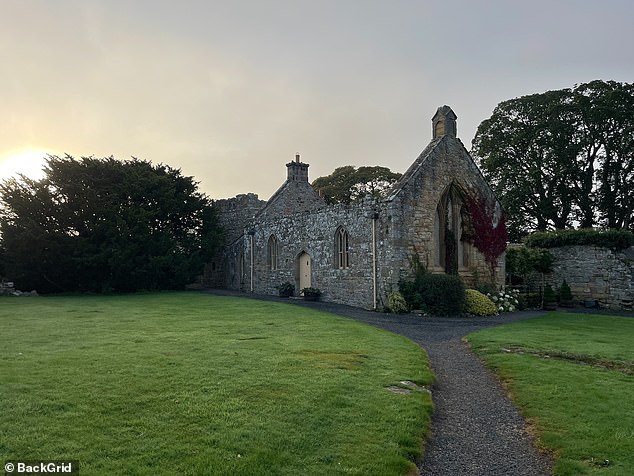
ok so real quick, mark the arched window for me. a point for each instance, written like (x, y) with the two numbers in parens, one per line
(272, 252)
(451, 227)
(342, 250)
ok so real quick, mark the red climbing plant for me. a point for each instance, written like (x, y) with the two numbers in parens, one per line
(487, 237)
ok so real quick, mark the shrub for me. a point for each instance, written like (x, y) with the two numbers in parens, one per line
(397, 303)
(522, 261)
(485, 288)
(565, 294)
(438, 294)
(311, 292)
(286, 289)
(506, 300)
(443, 294)
(533, 300)
(478, 304)
(549, 294)
(614, 239)
(412, 296)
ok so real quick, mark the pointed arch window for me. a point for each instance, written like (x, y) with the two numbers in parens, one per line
(452, 250)
(342, 249)
(272, 252)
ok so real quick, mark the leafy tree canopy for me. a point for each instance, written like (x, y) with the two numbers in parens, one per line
(102, 225)
(347, 183)
(562, 158)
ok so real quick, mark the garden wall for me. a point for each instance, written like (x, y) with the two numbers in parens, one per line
(595, 273)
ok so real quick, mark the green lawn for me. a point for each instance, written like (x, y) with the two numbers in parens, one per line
(185, 383)
(573, 377)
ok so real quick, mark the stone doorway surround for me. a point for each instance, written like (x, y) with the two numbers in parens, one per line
(304, 270)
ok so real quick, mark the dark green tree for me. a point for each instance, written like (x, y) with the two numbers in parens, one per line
(605, 113)
(347, 184)
(523, 152)
(104, 225)
(562, 158)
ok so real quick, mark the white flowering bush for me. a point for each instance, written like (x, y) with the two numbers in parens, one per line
(505, 300)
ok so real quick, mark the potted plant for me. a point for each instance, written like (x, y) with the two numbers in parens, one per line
(550, 300)
(311, 294)
(565, 295)
(286, 289)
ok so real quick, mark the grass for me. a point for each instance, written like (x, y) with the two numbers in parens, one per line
(572, 376)
(184, 383)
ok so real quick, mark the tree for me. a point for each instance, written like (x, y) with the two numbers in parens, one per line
(606, 118)
(521, 150)
(562, 157)
(105, 225)
(347, 184)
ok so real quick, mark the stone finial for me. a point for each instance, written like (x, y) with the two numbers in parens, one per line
(444, 123)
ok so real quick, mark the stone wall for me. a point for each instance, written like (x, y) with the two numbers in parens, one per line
(595, 273)
(313, 233)
(233, 216)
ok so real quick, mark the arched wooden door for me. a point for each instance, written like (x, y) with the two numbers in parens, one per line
(303, 266)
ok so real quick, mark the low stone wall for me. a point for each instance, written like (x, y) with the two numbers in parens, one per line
(595, 273)
(7, 289)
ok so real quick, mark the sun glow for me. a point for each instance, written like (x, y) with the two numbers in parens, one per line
(27, 162)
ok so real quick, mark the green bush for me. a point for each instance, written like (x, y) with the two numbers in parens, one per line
(286, 289)
(397, 303)
(533, 300)
(438, 294)
(565, 294)
(522, 261)
(311, 292)
(409, 292)
(485, 288)
(549, 294)
(614, 239)
(478, 304)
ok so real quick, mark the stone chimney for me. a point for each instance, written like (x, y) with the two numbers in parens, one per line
(297, 171)
(444, 123)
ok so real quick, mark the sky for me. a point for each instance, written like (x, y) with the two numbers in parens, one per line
(229, 91)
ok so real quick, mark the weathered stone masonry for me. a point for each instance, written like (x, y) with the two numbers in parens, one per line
(595, 273)
(357, 253)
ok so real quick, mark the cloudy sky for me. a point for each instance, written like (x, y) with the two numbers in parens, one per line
(229, 91)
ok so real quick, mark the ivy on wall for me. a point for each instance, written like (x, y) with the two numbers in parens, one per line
(488, 237)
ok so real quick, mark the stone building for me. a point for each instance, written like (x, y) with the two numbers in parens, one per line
(356, 253)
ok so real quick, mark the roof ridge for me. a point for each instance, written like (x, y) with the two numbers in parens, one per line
(411, 171)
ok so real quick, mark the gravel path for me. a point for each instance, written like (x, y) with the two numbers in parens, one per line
(476, 430)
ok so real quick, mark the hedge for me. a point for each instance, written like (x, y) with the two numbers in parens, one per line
(616, 240)
(437, 294)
